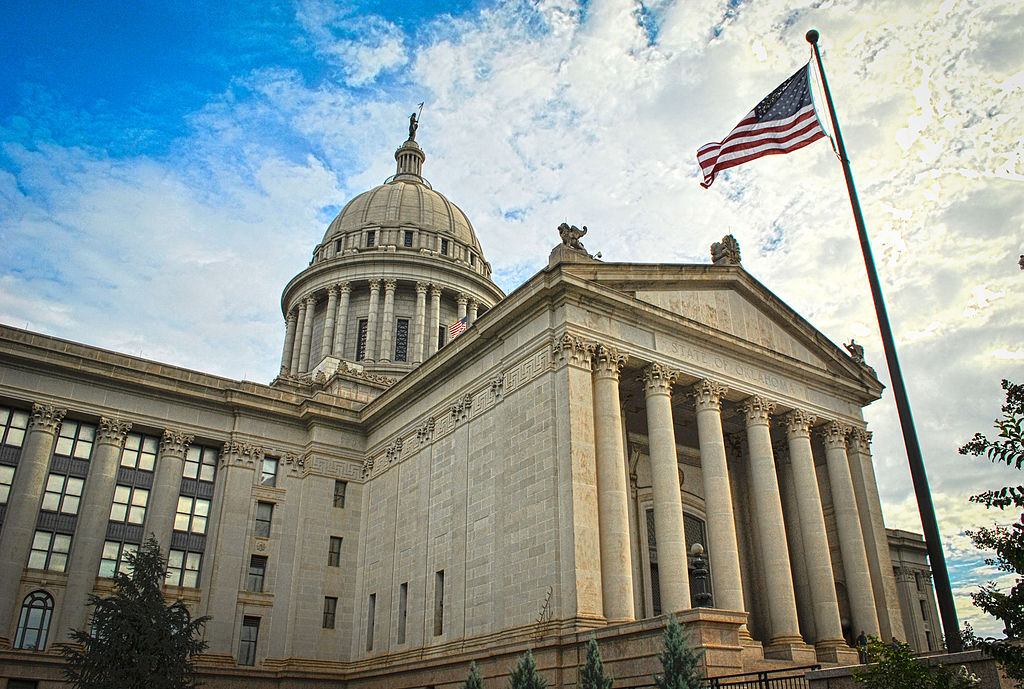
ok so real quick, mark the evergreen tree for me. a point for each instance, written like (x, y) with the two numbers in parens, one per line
(525, 676)
(592, 675)
(137, 641)
(474, 681)
(680, 661)
(1007, 542)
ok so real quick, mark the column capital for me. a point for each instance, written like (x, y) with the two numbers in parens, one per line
(389, 285)
(421, 287)
(834, 434)
(707, 394)
(757, 410)
(300, 308)
(310, 301)
(607, 361)
(435, 290)
(344, 288)
(462, 299)
(292, 316)
(374, 285)
(573, 349)
(658, 378)
(175, 443)
(332, 291)
(46, 417)
(112, 431)
(860, 440)
(473, 302)
(798, 423)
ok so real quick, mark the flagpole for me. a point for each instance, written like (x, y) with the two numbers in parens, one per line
(947, 610)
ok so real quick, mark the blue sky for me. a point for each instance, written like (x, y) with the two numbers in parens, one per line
(166, 168)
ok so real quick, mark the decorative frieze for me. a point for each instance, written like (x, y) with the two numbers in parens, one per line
(707, 394)
(425, 433)
(393, 453)
(834, 433)
(757, 410)
(608, 361)
(461, 409)
(498, 386)
(112, 431)
(46, 417)
(295, 463)
(658, 379)
(241, 454)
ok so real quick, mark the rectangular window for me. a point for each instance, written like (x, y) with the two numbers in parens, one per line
(264, 513)
(361, 340)
(917, 580)
(13, 424)
(444, 247)
(129, 504)
(114, 558)
(337, 247)
(370, 611)
(247, 641)
(402, 339)
(924, 610)
(192, 514)
(268, 474)
(407, 238)
(257, 572)
(139, 451)
(330, 607)
(75, 439)
(371, 237)
(439, 603)
(6, 479)
(183, 568)
(334, 552)
(440, 336)
(49, 551)
(339, 492)
(403, 602)
(200, 463)
(63, 493)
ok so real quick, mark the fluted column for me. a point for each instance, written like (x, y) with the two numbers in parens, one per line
(419, 322)
(462, 301)
(783, 625)
(307, 334)
(23, 507)
(721, 525)
(289, 342)
(612, 491)
(327, 340)
(435, 319)
(472, 312)
(300, 325)
(387, 326)
(673, 575)
(93, 515)
(371, 321)
(163, 501)
(851, 540)
(817, 559)
(341, 320)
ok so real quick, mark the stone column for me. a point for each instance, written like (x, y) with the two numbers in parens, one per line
(472, 311)
(612, 492)
(327, 341)
(419, 322)
(817, 559)
(289, 342)
(91, 528)
(462, 301)
(435, 319)
(307, 334)
(674, 577)
(721, 524)
(851, 540)
(890, 619)
(163, 501)
(23, 508)
(341, 320)
(371, 321)
(387, 326)
(782, 618)
(297, 346)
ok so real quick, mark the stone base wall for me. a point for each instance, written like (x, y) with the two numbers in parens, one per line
(975, 661)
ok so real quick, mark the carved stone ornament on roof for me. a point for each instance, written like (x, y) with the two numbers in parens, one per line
(498, 386)
(860, 440)
(320, 377)
(425, 433)
(46, 417)
(658, 378)
(573, 349)
(460, 410)
(726, 252)
(798, 422)
(175, 443)
(393, 452)
(570, 236)
(856, 351)
(834, 434)
(707, 394)
(608, 361)
(367, 467)
(241, 453)
(296, 462)
(112, 431)
(757, 409)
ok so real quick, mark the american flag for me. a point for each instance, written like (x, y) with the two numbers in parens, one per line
(456, 328)
(784, 121)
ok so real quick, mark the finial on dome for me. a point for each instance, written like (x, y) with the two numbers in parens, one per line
(409, 155)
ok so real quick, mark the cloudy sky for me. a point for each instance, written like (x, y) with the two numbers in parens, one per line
(165, 169)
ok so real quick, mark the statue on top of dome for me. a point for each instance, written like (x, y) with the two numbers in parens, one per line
(413, 126)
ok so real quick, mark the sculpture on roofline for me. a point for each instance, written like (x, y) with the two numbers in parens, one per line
(856, 351)
(413, 126)
(571, 234)
(726, 252)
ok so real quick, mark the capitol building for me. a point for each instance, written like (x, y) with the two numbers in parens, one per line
(609, 443)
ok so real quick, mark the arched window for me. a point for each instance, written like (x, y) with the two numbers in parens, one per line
(34, 622)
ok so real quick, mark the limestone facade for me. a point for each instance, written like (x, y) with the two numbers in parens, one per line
(916, 593)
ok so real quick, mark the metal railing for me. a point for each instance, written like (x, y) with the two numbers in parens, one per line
(789, 678)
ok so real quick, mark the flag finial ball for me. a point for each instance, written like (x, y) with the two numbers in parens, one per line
(812, 36)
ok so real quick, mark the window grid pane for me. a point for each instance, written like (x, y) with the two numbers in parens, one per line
(6, 479)
(200, 463)
(13, 424)
(62, 494)
(247, 642)
(330, 607)
(402, 339)
(334, 552)
(183, 568)
(339, 492)
(264, 515)
(34, 621)
(257, 573)
(139, 451)
(268, 475)
(49, 551)
(75, 439)
(191, 514)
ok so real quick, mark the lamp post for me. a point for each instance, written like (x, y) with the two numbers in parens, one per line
(699, 574)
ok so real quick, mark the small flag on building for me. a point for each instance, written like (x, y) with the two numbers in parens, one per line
(784, 121)
(456, 328)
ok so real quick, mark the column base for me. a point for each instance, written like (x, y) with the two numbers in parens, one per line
(790, 647)
(836, 651)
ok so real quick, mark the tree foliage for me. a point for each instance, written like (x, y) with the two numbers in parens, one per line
(474, 681)
(524, 675)
(1006, 541)
(593, 675)
(893, 666)
(680, 662)
(137, 640)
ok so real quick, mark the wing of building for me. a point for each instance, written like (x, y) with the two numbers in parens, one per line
(397, 502)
